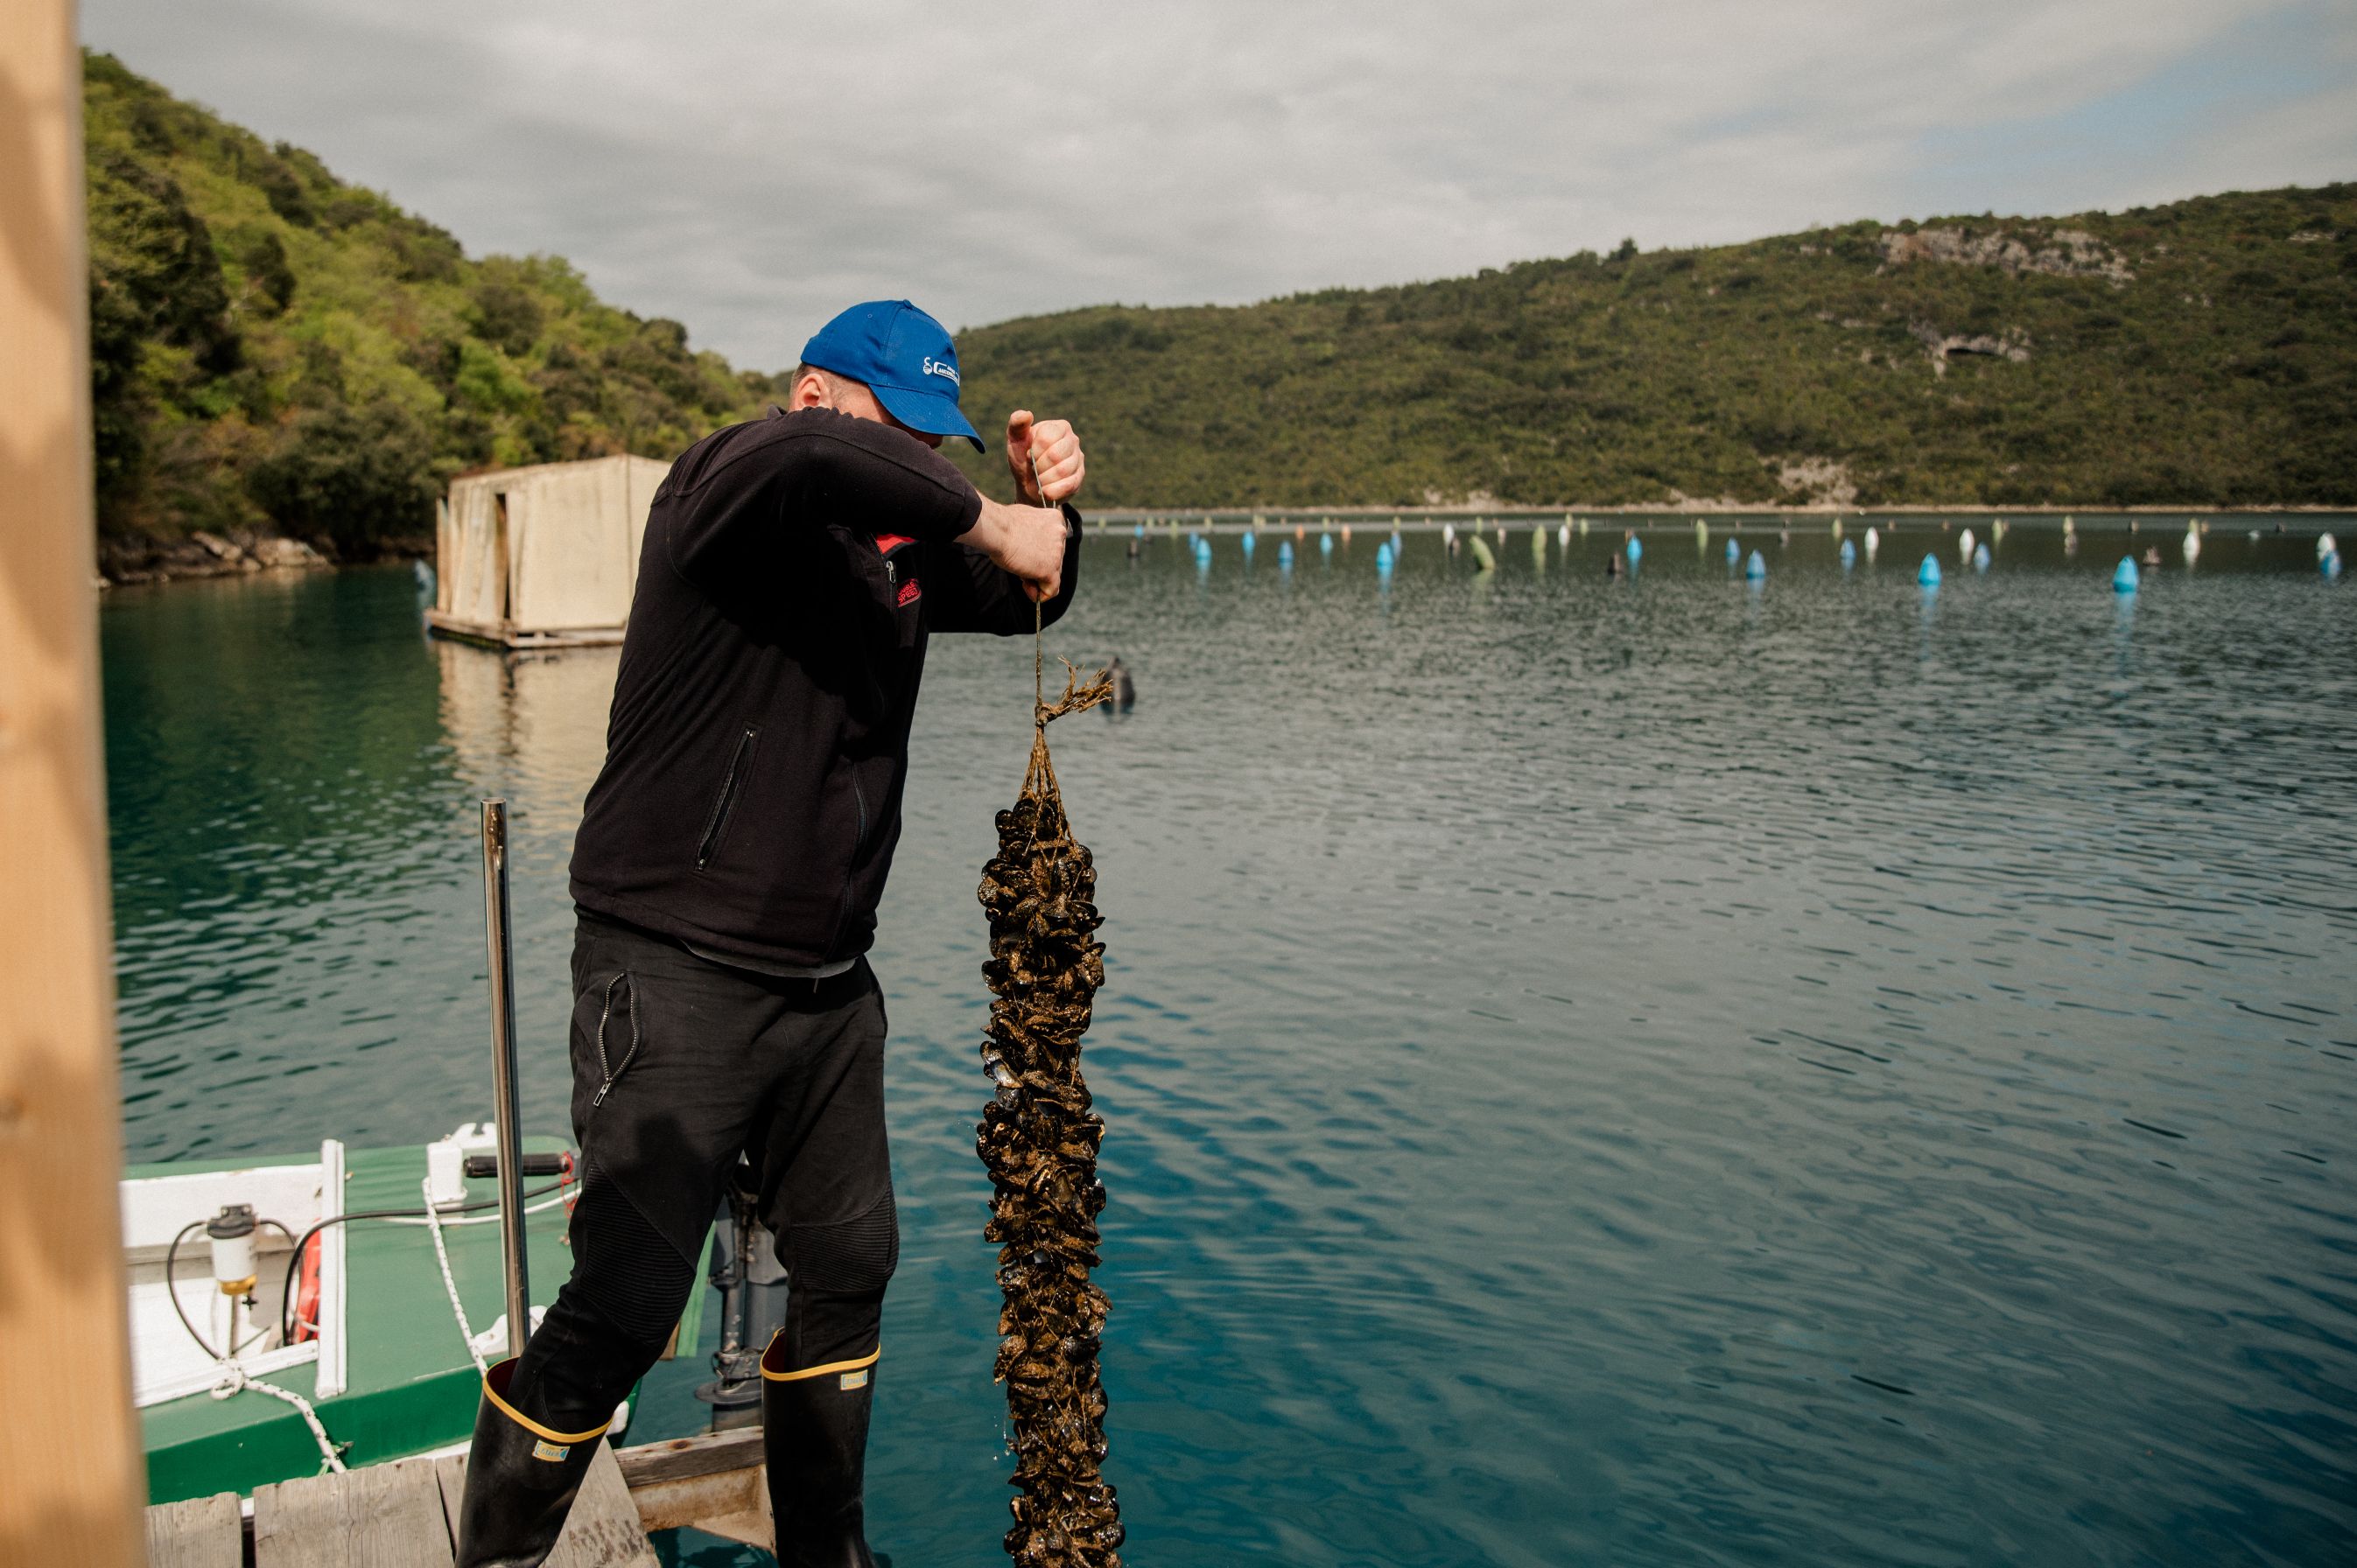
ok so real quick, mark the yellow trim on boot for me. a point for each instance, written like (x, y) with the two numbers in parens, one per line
(795, 1377)
(565, 1438)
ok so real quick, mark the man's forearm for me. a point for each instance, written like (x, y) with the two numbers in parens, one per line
(1028, 541)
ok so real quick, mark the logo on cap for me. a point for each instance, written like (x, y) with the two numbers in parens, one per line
(935, 367)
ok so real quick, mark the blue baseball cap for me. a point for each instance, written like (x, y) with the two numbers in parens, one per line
(904, 356)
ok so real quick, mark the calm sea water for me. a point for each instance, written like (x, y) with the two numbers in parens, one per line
(1635, 1072)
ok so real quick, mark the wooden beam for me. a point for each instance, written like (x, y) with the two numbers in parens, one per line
(71, 1476)
(202, 1533)
(381, 1516)
(685, 1456)
(716, 1483)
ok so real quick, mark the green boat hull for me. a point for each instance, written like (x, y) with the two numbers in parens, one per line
(410, 1386)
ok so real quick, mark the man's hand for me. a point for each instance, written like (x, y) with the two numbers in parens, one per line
(1049, 449)
(1028, 541)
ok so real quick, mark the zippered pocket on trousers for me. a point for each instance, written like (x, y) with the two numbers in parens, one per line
(610, 1072)
(732, 784)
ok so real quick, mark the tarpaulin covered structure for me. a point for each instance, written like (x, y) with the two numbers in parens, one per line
(545, 556)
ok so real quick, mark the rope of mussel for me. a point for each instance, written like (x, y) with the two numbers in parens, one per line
(1038, 1139)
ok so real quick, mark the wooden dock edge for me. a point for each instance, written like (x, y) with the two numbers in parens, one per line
(508, 638)
(407, 1511)
(716, 1483)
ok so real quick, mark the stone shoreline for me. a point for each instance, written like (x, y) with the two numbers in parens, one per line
(234, 552)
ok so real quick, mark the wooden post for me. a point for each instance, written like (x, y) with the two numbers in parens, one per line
(71, 1478)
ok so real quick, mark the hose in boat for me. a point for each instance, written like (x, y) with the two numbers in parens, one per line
(287, 1288)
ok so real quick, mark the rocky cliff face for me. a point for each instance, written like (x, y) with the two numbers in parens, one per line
(2058, 252)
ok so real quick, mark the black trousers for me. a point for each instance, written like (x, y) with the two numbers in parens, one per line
(680, 1066)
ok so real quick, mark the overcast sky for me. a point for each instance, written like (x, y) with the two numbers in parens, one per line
(750, 167)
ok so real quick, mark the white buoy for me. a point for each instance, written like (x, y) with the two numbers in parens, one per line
(2326, 545)
(1562, 536)
(2192, 545)
(1965, 546)
(1873, 541)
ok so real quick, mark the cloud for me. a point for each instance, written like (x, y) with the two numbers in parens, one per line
(747, 167)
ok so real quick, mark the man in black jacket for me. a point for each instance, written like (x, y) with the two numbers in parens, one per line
(727, 874)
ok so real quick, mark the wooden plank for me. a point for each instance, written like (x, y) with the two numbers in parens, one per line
(685, 1456)
(73, 1482)
(699, 1500)
(202, 1533)
(603, 1529)
(450, 1475)
(383, 1516)
(716, 1482)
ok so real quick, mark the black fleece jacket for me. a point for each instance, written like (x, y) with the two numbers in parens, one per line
(792, 569)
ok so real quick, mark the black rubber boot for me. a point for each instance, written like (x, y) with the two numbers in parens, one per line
(521, 1477)
(814, 1436)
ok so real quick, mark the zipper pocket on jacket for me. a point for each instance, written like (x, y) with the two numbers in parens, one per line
(859, 839)
(731, 783)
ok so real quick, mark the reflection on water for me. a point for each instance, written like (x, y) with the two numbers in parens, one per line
(1636, 1069)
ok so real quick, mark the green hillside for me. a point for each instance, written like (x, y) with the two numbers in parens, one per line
(271, 348)
(2202, 352)
(276, 350)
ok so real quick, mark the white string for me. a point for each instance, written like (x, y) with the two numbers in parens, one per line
(545, 1203)
(236, 1377)
(442, 1255)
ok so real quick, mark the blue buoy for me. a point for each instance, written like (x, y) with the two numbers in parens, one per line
(1927, 574)
(1325, 544)
(1848, 554)
(2329, 565)
(1248, 543)
(1137, 532)
(1733, 552)
(1981, 558)
(1383, 557)
(1636, 550)
(1284, 552)
(2124, 576)
(1756, 569)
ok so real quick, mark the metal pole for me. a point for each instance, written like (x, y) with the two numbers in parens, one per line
(504, 1099)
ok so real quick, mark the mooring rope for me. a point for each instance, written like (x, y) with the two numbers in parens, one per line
(236, 1379)
(442, 1256)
